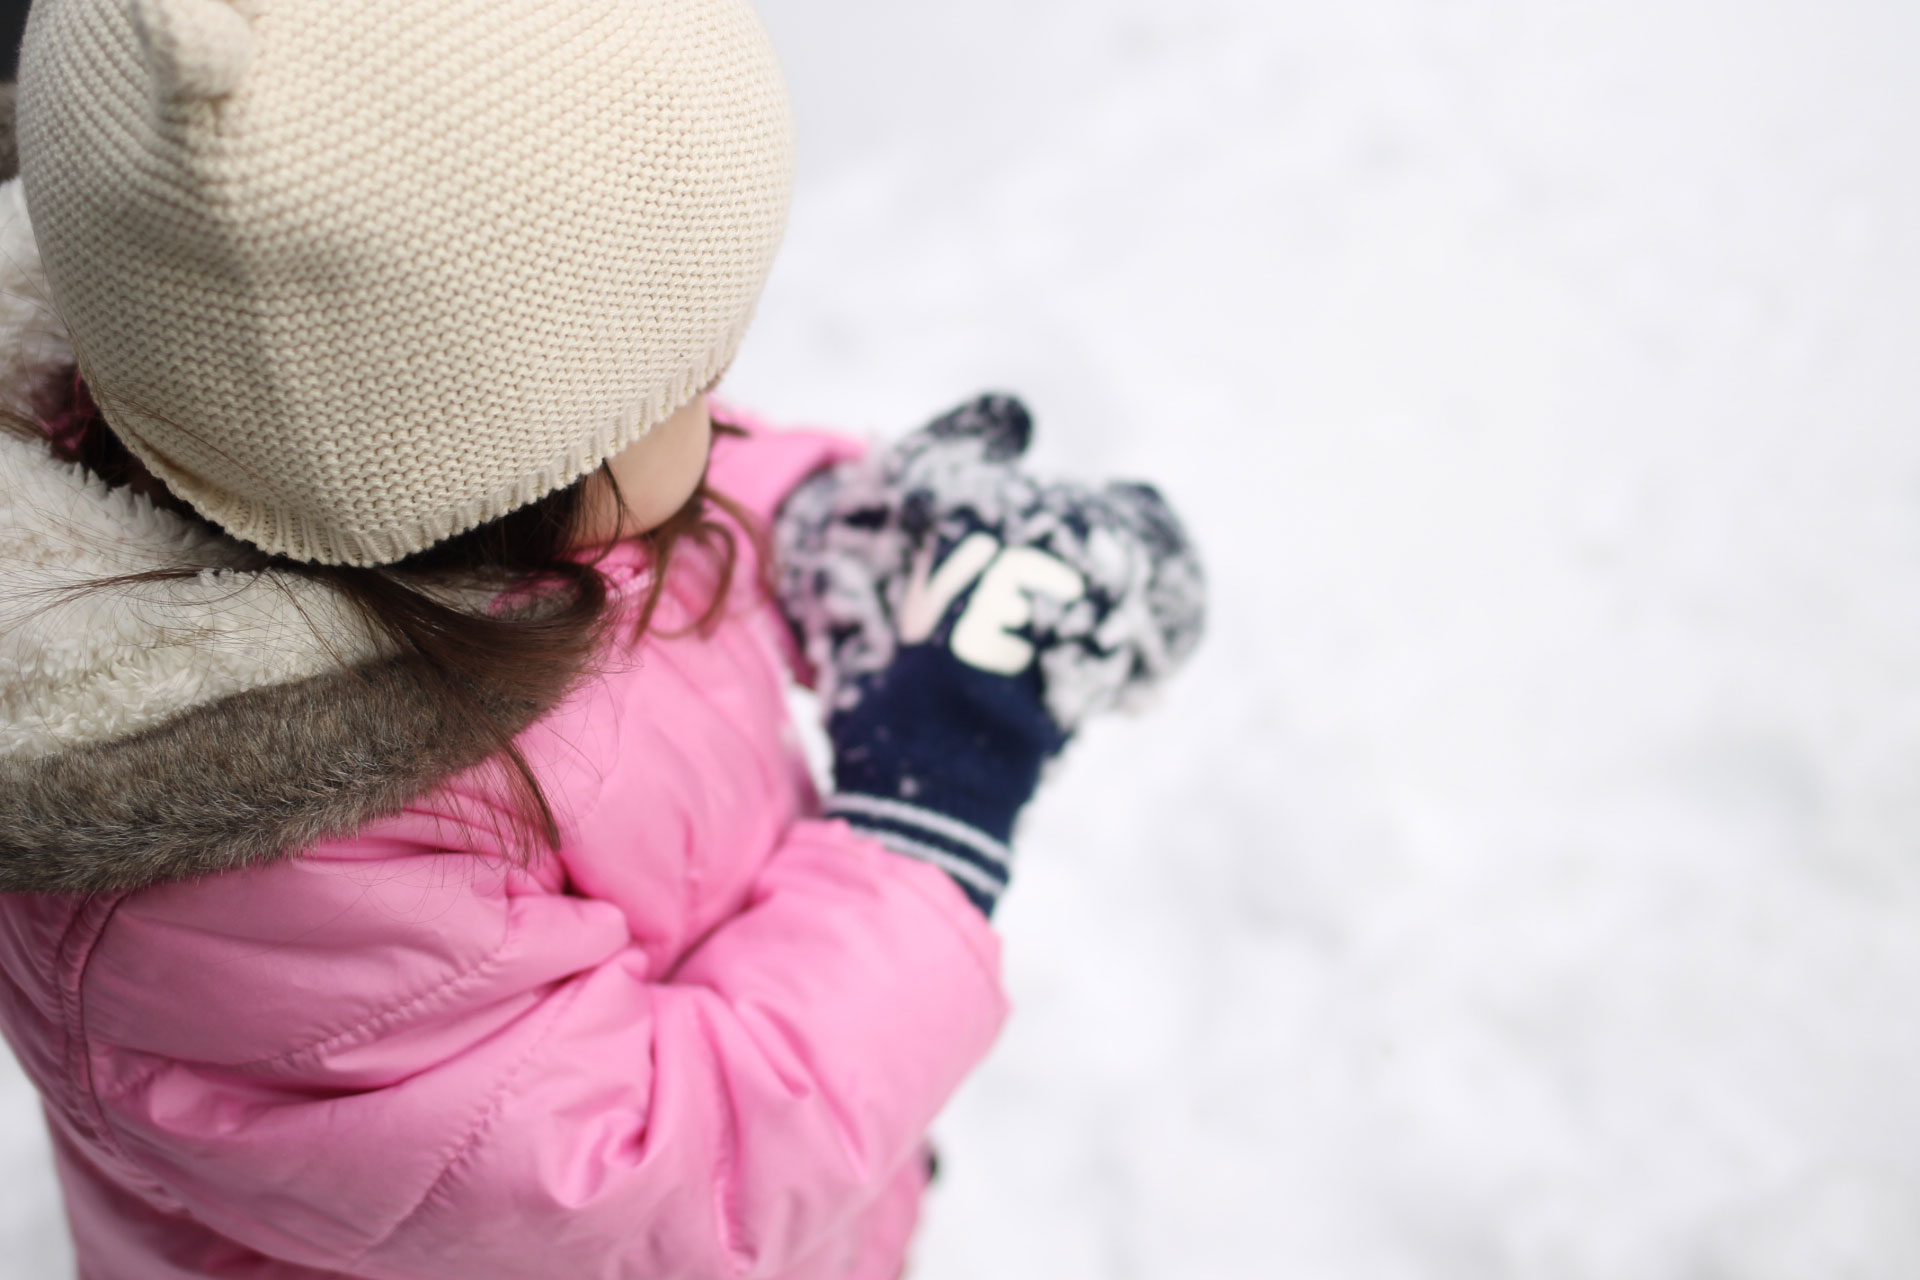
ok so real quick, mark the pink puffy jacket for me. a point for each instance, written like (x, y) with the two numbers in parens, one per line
(704, 1040)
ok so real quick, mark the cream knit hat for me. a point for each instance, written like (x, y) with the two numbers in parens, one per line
(354, 276)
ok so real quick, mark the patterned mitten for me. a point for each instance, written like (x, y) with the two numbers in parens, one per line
(964, 619)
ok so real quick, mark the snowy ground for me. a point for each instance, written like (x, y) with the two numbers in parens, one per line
(1522, 882)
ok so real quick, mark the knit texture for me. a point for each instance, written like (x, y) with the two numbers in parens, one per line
(938, 756)
(354, 277)
(965, 618)
(853, 543)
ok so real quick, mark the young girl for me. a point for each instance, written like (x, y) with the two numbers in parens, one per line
(411, 868)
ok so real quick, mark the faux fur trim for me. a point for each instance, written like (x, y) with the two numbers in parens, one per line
(184, 727)
(854, 543)
(249, 779)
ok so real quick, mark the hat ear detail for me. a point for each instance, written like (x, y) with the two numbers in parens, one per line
(198, 49)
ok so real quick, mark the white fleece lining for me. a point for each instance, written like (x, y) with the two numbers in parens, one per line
(115, 661)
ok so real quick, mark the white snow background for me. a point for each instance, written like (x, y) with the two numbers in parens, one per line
(1522, 881)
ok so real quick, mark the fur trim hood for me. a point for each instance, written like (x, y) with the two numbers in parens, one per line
(165, 730)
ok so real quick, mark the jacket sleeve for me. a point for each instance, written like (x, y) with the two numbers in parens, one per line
(759, 472)
(536, 1102)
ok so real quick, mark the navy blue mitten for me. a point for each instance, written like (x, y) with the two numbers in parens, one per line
(964, 619)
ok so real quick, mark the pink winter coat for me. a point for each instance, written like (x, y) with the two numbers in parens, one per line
(706, 1039)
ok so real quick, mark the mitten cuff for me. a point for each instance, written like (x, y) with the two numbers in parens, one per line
(976, 861)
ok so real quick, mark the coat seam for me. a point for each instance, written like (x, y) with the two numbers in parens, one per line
(482, 968)
(726, 1191)
(489, 1111)
(82, 1061)
(389, 1015)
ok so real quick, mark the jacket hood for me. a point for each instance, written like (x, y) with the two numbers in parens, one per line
(158, 731)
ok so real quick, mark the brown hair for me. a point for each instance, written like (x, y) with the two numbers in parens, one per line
(537, 653)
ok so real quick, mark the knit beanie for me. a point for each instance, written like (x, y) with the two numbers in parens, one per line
(354, 276)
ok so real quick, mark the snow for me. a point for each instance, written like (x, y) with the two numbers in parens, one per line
(1520, 882)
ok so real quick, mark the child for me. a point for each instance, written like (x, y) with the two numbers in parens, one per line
(410, 868)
